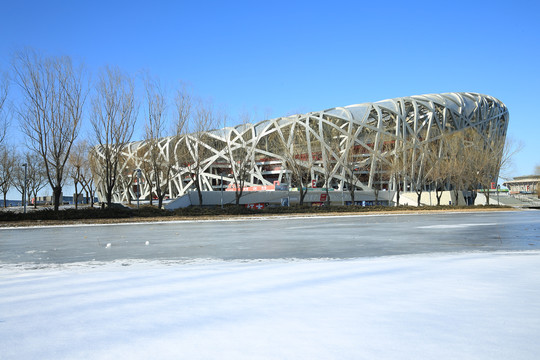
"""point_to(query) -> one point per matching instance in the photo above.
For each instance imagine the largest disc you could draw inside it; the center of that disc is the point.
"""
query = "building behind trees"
(451, 141)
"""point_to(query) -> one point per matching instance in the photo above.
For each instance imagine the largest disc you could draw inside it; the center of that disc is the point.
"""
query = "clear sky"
(276, 58)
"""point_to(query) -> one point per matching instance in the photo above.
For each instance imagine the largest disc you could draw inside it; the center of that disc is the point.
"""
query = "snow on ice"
(452, 306)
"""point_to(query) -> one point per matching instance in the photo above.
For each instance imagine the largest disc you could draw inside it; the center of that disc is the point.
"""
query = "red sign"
(313, 183)
(493, 187)
(256, 206)
(323, 197)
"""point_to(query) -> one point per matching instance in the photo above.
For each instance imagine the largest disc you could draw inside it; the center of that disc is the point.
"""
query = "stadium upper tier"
(353, 145)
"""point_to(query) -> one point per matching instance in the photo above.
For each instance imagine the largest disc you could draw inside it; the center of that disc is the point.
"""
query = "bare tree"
(4, 111)
(398, 167)
(126, 177)
(51, 110)
(436, 175)
(351, 168)
(146, 168)
(80, 171)
(87, 178)
(507, 151)
(327, 152)
(420, 166)
(358, 162)
(114, 114)
(479, 170)
(183, 102)
(36, 177)
(296, 156)
(498, 159)
(487, 157)
(7, 168)
(240, 150)
(198, 143)
(155, 131)
(454, 153)
(77, 160)
(18, 176)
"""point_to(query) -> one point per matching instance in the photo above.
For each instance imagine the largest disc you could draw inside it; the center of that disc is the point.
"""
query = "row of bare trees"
(461, 161)
(12, 173)
(466, 160)
(50, 112)
(53, 94)
(186, 126)
(56, 97)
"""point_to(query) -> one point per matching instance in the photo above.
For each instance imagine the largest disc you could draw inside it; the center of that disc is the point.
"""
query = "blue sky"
(281, 57)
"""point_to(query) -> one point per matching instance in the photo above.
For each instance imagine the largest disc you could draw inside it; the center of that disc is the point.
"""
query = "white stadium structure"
(350, 146)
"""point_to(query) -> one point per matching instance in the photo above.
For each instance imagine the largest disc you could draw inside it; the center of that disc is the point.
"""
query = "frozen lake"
(317, 237)
(464, 289)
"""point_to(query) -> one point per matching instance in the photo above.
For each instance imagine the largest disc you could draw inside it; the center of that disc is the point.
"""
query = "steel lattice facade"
(360, 130)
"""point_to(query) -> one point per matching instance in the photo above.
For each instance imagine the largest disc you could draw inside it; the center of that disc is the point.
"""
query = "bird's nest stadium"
(340, 147)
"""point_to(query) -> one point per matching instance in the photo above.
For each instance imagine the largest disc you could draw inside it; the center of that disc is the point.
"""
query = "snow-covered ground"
(433, 306)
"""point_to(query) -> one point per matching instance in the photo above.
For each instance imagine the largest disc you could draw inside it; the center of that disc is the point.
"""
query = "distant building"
(65, 200)
(523, 184)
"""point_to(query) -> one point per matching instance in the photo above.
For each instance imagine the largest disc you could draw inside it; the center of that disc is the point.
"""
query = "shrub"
(118, 212)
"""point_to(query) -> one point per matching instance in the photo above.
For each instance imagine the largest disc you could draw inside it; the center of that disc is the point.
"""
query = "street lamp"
(289, 190)
(24, 187)
(138, 186)
(221, 190)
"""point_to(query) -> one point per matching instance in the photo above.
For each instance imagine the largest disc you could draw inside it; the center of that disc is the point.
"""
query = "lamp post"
(24, 187)
(221, 186)
(289, 190)
(138, 186)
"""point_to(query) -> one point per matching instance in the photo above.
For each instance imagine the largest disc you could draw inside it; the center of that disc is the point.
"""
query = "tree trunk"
(456, 197)
(76, 199)
(418, 197)
(5, 200)
(302, 195)
(35, 200)
(199, 192)
(398, 189)
(238, 194)
(474, 194)
(57, 192)
(327, 197)
(438, 195)
(109, 198)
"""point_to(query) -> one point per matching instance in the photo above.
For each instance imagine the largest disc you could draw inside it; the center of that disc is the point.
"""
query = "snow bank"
(459, 306)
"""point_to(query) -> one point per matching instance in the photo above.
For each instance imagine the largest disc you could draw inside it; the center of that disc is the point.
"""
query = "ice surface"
(320, 237)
